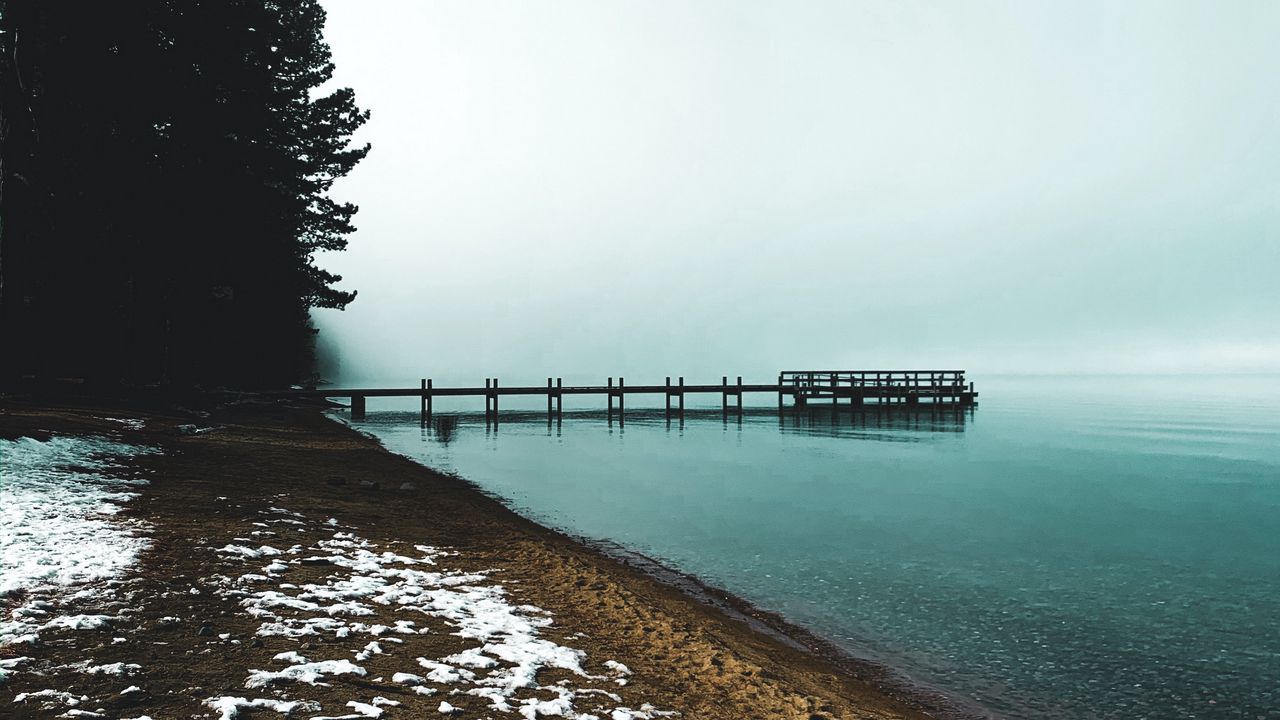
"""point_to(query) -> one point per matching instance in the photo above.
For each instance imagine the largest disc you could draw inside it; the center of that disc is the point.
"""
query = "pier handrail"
(872, 378)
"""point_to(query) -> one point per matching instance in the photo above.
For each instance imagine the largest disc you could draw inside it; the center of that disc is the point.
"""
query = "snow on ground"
(11, 665)
(131, 423)
(501, 667)
(61, 551)
(228, 708)
(63, 557)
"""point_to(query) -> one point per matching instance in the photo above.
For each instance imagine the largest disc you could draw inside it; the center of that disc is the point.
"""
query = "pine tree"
(175, 159)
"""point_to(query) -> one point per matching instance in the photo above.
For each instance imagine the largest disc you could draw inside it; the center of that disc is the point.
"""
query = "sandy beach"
(293, 566)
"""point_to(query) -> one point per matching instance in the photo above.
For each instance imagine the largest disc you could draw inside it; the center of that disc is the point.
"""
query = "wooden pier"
(854, 388)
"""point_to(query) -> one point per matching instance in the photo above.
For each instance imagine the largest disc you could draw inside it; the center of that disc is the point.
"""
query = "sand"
(690, 650)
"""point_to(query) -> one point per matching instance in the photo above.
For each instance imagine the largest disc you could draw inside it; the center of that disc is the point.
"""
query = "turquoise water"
(1073, 548)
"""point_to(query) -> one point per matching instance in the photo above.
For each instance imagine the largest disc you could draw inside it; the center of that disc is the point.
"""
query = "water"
(1074, 548)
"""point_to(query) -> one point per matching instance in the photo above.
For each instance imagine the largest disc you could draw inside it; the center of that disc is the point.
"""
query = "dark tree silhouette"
(165, 189)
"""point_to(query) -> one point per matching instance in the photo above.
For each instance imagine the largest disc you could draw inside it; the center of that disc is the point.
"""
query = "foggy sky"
(590, 188)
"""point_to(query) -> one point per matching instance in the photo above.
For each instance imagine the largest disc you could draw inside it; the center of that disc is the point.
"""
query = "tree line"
(165, 168)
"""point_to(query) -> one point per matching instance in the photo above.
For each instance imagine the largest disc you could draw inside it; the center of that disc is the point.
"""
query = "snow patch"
(244, 551)
(310, 673)
(364, 709)
(229, 708)
(60, 545)
(10, 665)
(50, 699)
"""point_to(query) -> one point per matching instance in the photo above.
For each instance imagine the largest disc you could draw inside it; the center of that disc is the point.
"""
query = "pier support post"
(681, 398)
(495, 402)
(724, 397)
(667, 393)
(422, 415)
(357, 407)
(739, 398)
(549, 394)
(488, 403)
(559, 398)
(622, 400)
(609, 392)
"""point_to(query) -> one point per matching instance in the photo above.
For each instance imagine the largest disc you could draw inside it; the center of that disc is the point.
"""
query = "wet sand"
(691, 649)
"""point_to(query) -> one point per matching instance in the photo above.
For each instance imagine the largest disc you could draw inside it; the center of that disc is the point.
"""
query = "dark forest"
(165, 168)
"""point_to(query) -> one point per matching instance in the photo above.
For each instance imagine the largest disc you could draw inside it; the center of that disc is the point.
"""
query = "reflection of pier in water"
(882, 423)
(857, 389)
(896, 424)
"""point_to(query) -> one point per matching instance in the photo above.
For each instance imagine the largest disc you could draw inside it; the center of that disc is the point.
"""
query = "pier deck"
(853, 387)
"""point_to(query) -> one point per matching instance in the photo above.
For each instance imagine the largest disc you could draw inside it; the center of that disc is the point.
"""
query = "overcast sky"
(697, 187)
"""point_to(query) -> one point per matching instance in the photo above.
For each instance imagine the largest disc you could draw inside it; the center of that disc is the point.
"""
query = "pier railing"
(861, 386)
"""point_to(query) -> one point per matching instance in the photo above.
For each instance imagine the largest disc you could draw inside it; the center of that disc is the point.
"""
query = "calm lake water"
(1073, 548)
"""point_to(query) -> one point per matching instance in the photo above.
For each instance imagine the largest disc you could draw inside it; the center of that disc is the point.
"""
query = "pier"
(854, 388)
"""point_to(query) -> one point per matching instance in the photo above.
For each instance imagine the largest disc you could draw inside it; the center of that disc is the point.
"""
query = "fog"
(699, 188)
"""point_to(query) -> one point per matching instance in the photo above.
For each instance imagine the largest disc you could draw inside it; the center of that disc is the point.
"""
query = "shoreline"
(693, 648)
(897, 682)
(894, 681)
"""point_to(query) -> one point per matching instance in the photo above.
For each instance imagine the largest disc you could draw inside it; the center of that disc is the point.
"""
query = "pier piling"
(724, 397)
(666, 396)
(739, 398)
